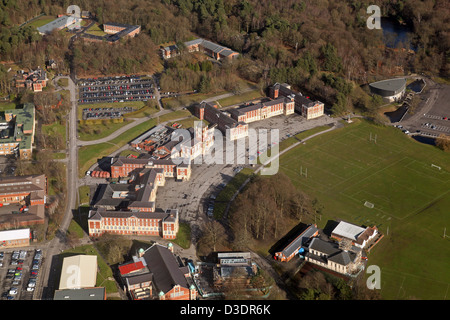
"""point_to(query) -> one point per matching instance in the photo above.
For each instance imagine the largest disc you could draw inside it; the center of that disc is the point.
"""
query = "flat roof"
(60, 22)
(348, 230)
(9, 235)
(78, 271)
(81, 294)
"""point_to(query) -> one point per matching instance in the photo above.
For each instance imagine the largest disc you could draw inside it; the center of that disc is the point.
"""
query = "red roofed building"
(131, 267)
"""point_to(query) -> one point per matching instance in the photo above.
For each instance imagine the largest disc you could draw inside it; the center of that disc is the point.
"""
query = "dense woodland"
(322, 47)
(267, 209)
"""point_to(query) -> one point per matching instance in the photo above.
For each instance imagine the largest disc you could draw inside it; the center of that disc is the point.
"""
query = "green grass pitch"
(345, 168)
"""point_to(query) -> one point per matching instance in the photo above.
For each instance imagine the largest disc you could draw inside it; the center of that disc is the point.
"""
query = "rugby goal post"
(435, 166)
(369, 204)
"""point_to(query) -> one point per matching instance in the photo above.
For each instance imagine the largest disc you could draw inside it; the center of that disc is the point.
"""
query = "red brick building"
(263, 110)
(156, 274)
(130, 209)
(303, 105)
(22, 200)
(123, 167)
(293, 247)
(121, 29)
(227, 125)
(34, 79)
(162, 223)
(211, 49)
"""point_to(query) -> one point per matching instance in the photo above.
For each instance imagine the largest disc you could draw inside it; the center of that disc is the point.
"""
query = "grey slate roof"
(165, 268)
(333, 252)
(300, 241)
(140, 278)
(80, 294)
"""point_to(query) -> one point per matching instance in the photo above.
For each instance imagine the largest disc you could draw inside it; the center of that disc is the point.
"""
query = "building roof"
(300, 240)
(78, 271)
(9, 235)
(81, 294)
(326, 247)
(389, 86)
(130, 267)
(23, 184)
(138, 278)
(158, 213)
(193, 42)
(165, 269)
(348, 230)
(58, 23)
(333, 252)
(24, 120)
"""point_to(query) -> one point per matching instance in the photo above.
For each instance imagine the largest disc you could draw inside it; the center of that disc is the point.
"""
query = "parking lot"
(115, 89)
(432, 117)
(19, 271)
(105, 113)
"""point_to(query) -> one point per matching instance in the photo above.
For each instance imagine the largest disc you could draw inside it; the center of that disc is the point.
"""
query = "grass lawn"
(56, 127)
(88, 155)
(88, 132)
(224, 196)
(74, 228)
(63, 82)
(240, 98)
(96, 30)
(41, 21)
(183, 238)
(7, 106)
(187, 100)
(411, 200)
(299, 136)
(83, 192)
(58, 155)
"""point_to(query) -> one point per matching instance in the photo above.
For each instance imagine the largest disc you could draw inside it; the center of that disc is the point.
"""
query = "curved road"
(56, 245)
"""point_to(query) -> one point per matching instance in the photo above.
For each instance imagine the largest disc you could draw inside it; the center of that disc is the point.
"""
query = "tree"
(332, 62)
(214, 234)
(443, 142)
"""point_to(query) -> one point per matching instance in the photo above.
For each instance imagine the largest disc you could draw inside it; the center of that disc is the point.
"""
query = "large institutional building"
(211, 49)
(303, 105)
(17, 131)
(130, 208)
(282, 101)
(390, 89)
(156, 274)
(23, 199)
(34, 80)
(187, 144)
(343, 253)
(227, 125)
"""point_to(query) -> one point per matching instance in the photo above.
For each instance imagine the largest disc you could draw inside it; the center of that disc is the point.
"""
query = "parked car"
(32, 283)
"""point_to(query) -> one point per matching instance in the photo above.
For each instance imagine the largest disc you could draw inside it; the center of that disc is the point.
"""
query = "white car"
(30, 288)
(13, 291)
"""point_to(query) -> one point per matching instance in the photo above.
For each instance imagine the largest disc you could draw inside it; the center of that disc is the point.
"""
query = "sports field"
(408, 184)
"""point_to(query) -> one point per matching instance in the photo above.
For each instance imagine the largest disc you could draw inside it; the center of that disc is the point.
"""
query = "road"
(118, 132)
(187, 197)
(55, 246)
